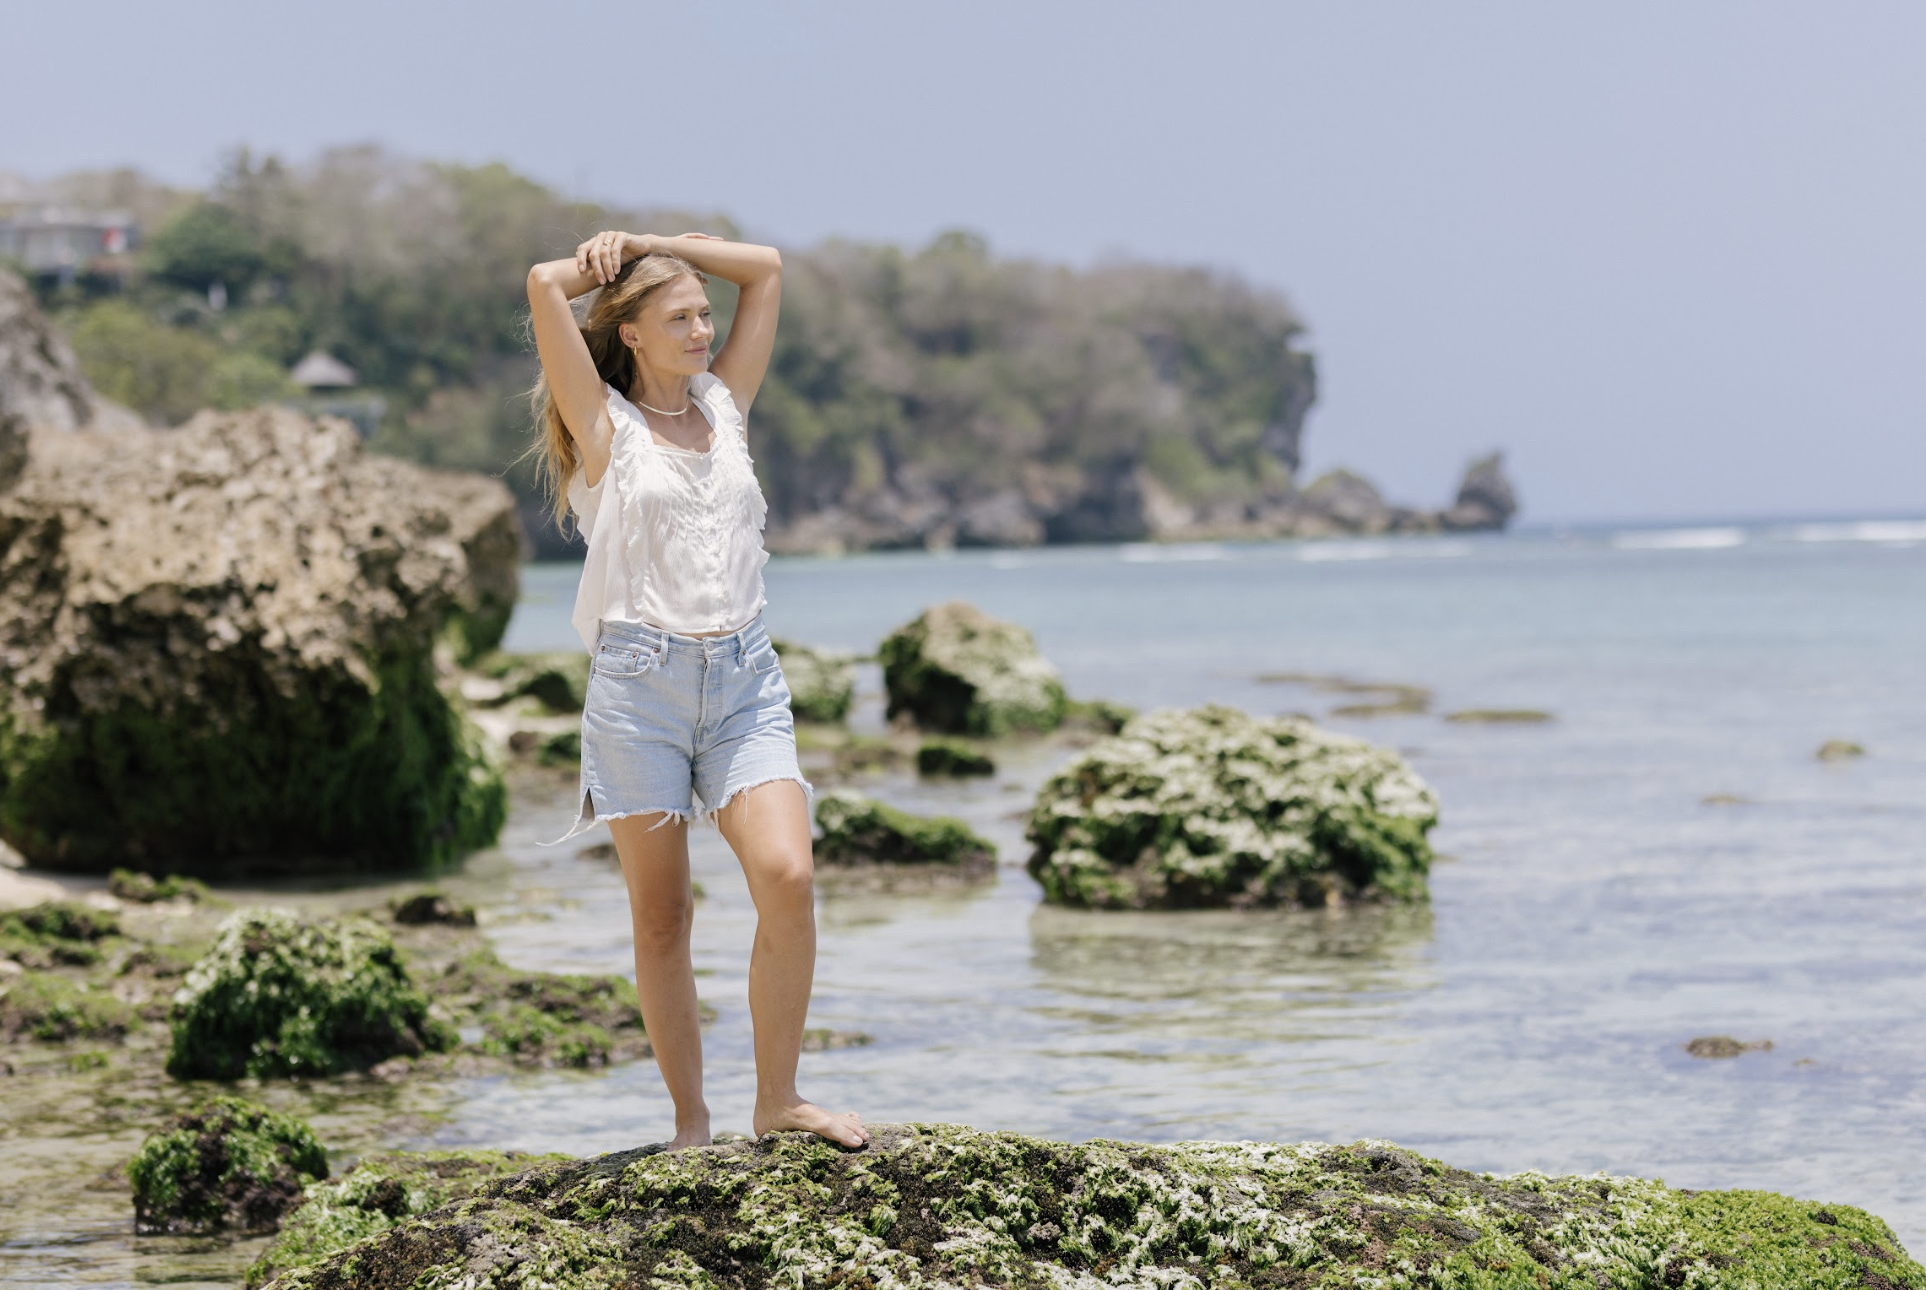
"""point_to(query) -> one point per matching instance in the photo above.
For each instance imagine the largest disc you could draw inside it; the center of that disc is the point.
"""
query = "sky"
(1671, 258)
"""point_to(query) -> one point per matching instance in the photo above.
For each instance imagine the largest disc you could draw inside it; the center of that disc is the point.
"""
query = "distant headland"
(918, 398)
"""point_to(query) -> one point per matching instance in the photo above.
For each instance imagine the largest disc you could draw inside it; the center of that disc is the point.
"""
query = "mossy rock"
(227, 1164)
(432, 907)
(1212, 807)
(1500, 717)
(546, 1019)
(941, 1205)
(557, 680)
(563, 748)
(822, 685)
(279, 995)
(380, 1192)
(51, 1009)
(56, 932)
(1103, 715)
(955, 670)
(220, 651)
(146, 889)
(1839, 750)
(859, 830)
(947, 757)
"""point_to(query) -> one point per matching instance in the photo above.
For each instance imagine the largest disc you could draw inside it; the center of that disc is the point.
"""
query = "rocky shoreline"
(947, 1205)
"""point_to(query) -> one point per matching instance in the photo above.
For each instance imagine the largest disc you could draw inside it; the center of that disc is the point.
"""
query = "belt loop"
(742, 647)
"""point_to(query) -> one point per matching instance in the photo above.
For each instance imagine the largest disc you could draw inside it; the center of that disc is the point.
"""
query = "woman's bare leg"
(768, 826)
(655, 865)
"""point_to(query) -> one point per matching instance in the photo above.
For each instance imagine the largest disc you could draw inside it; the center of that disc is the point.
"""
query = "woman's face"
(674, 330)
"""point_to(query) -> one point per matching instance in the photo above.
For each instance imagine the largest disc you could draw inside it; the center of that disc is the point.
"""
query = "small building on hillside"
(329, 383)
(321, 370)
(67, 243)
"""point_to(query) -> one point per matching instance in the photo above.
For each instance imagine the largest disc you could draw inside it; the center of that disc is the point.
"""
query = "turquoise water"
(1595, 913)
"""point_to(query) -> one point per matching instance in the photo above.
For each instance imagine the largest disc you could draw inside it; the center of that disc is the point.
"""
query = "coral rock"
(822, 685)
(956, 670)
(1210, 806)
(941, 1205)
(216, 647)
(279, 995)
(859, 830)
(229, 1164)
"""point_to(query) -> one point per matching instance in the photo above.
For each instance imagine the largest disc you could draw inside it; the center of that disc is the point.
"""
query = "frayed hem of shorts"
(590, 817)
(709, 813)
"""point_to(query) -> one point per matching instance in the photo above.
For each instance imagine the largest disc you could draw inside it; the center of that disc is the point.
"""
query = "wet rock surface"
(226, 1165)
(217, 649)
(1213, 807)
(858, 830)
(936, 1205)
(955, 670)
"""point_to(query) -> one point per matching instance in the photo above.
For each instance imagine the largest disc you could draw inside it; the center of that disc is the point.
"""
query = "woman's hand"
(602, 256)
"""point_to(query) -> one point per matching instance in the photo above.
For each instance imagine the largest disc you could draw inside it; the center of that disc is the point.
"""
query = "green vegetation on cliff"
(931, 396)
(940, 1205)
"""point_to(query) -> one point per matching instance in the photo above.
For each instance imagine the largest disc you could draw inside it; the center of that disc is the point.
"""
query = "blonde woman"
(642, 441)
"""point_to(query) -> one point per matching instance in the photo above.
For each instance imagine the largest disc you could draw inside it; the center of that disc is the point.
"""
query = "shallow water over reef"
(1596, 912)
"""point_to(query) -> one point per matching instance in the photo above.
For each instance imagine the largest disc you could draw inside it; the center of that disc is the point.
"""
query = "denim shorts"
(675, 721)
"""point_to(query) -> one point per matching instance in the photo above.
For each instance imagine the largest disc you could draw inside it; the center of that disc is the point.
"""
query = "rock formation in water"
(955, 670)
(1212, 807)
(41, 386)
(859, 830)
(228, 1164)
(282, 996)
(217, 649)
(941, 1205)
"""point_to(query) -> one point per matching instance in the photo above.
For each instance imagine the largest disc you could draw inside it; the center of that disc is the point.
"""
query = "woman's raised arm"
(755, 270)
(573, 382)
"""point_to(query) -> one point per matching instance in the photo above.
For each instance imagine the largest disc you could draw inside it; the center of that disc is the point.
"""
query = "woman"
(642, 439)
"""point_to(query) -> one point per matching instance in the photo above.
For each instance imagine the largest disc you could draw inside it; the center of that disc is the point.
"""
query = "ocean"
(1664, 859)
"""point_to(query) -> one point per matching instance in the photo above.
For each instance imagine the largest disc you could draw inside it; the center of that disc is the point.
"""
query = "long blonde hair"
(620, 301)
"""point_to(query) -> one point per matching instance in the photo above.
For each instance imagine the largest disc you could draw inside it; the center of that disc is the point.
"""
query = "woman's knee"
(785, 878)
(663, 924)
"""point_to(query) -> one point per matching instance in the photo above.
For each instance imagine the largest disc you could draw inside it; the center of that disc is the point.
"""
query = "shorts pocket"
(763, 658)
(624, 659)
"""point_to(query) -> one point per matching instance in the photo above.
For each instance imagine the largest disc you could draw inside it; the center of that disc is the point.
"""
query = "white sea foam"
(1863, 531)
(1171, 553)
(1708, 539)
(1351, 549)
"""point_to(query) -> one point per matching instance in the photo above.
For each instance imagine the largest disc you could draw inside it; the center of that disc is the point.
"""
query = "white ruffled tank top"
(674, 536)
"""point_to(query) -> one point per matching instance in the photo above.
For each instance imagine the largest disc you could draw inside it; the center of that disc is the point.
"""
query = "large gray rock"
(41, 386)
(217, 649)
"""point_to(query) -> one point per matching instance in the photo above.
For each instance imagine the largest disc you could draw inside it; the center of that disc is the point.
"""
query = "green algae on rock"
(955, 670)
(941, 1205)
(62, 932)
(1212, 807)
(217, 650)
(938, 757)
(859, 830)
(822, 684)
(542, 1018)
(50, 1009)
(381, 1191)
(146, 889)
(280, 995)
(227, 1164)
(557, 680)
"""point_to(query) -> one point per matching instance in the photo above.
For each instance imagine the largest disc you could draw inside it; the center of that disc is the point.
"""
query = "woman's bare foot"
(693, 1134)
(846, 1128)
